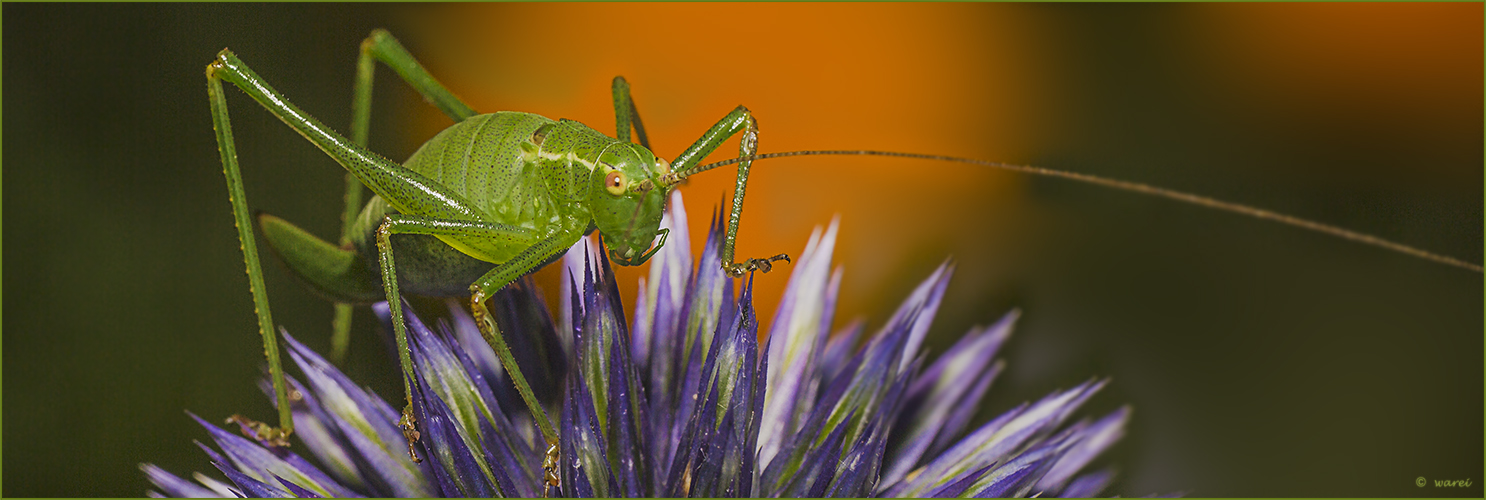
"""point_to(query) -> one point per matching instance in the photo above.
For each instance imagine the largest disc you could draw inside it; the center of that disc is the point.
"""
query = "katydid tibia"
(497, 196)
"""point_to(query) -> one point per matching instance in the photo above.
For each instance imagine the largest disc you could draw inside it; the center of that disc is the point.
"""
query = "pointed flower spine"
(940, 390)
(365, 425)
(446, 385)
(800, 327)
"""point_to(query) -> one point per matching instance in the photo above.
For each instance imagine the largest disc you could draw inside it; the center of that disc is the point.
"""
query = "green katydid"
(504, 194)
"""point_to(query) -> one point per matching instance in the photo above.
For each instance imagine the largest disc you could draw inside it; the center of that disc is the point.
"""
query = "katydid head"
(627, 202)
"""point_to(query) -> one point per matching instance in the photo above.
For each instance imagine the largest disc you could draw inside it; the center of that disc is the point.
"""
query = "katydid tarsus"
(497, 196)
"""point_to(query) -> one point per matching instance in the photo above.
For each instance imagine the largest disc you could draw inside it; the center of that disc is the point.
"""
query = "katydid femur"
(497, 196)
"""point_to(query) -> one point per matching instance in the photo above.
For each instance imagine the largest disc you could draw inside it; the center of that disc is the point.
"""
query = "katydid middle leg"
(409, 224)
(504, 274)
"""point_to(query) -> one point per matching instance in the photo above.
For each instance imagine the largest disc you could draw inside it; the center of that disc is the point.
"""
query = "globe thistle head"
(679, 399)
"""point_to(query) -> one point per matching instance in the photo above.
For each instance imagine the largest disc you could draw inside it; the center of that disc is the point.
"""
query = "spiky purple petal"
(1088, 485)
(941, 390)
(839, 349)
(957, 487)
(800, 326)
(456, 469)
(365, 423)
(997, 440)
(173, 485)
(585, 470)
(816, 466)
(250, 488)
(658, 306)
(1089, 442)
(248, 457)
(295, 490)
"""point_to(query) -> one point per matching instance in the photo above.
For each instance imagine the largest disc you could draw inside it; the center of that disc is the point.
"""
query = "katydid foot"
(737, 270)
(409, 425)
(263, 433)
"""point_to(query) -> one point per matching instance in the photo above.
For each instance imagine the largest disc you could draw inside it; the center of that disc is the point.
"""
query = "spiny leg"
(739, 120)
(409, 224)
(486, 286)
(383, 47)
(226, 147)
(405, 190)
(380, 46)
(747, 146)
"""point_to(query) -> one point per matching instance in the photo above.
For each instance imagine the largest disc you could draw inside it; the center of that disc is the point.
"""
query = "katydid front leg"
(739, 120)
(747, 146)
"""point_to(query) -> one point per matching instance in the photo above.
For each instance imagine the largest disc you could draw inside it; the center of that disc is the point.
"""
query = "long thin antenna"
(1136, 187)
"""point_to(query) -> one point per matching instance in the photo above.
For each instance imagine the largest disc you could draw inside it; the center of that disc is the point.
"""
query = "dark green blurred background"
(1260, 360)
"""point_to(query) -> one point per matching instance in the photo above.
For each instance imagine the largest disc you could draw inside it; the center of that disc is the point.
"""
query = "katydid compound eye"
(614, 182)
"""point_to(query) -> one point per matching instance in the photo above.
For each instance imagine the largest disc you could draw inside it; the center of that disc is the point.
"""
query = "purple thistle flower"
(679, 400)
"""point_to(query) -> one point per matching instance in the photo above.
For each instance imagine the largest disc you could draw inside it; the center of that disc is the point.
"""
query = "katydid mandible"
(497, 196)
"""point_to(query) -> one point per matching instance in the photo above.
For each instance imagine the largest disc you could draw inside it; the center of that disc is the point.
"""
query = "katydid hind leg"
(385, 177)
(227, 149)
(336, 272)
(379, 46)
(382, 46)
(340, 337)
(402, 188)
